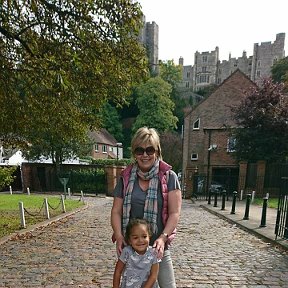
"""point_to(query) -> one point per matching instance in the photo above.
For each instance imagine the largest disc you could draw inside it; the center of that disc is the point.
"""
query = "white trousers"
(166, 277)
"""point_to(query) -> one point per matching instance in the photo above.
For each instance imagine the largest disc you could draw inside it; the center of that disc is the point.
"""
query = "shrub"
(6, 176)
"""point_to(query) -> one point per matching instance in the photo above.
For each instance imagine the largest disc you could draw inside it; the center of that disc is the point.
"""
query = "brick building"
(208, 138)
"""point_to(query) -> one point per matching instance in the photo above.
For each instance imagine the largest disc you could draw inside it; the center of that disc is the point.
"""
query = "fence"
(281, 227)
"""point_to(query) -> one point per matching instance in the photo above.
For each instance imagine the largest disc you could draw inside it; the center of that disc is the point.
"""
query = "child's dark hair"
(133, 222)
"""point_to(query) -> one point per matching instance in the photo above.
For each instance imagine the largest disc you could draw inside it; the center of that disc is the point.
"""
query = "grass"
(34, 204)
(272, 202)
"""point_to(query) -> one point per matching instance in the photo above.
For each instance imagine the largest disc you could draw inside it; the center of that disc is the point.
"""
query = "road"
(77, 252)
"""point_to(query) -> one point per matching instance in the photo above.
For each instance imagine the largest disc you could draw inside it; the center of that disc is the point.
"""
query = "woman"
(148, 189)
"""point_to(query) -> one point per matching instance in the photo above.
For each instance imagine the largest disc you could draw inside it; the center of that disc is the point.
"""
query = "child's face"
(139, 238)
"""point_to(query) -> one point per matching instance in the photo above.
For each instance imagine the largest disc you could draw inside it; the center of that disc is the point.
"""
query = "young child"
(138, 261)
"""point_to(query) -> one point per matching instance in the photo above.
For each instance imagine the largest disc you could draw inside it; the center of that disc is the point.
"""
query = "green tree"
(207, 90)
(171, 144)
(280, 71)
(172, 74)
(110, 120)
(263, 118)
(155, 106)
(60, 61)
(6, 176)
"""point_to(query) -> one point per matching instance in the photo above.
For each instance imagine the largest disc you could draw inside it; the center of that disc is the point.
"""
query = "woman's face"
(145, 156)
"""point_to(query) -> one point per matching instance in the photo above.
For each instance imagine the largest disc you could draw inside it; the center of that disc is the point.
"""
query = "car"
(214, 187)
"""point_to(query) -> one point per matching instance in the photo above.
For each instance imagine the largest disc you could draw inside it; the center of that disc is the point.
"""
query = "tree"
(155, 106)
(280, 72)
(207, 90)
(171, 144)
(60, 61)
(263, 118)
(6, 176)
(110, 120)
(172, 74)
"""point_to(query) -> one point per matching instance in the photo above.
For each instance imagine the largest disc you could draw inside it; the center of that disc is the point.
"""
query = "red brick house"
(105, 146)
(207, 137)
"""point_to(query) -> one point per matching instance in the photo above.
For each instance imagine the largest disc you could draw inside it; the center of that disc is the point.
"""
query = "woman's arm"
(117, 273)
(116, 222)
(174, 208)
(152, 277)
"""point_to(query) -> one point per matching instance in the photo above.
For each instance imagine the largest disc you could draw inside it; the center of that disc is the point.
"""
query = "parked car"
(214, 187)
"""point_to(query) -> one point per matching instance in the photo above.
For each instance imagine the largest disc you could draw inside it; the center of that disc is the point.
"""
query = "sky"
(187, 26)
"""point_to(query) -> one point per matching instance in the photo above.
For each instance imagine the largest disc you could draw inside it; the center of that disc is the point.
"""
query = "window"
(203, 79)
(204, 58)
(231, 142)
(194, 156)
(204, 69)
(188, 74)
(104, 148)
(96, 148)
(258, 73)
(196, 124)
(259, 63)
(187, 85)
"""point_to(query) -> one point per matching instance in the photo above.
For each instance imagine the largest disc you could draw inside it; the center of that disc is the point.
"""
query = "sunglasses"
(149, 150)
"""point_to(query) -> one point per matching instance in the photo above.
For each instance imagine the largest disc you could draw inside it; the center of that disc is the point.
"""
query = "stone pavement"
(252, 225)
(76, 251)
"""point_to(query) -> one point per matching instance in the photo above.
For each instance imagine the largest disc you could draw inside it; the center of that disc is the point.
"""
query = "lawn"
(272, 202)
(34, 210)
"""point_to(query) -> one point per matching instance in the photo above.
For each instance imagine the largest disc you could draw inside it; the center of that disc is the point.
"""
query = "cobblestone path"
(77, 252)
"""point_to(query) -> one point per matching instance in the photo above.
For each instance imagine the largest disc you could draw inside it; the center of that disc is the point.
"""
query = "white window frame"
(104, 148)
(194, 124)
(194, 156)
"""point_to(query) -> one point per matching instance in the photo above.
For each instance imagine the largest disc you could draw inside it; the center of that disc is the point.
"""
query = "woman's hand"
(159, 246)
(120, 243)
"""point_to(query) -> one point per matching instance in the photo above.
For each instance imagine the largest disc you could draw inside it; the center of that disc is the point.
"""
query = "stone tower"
(265, 55)
(205, 68)
(149, 37)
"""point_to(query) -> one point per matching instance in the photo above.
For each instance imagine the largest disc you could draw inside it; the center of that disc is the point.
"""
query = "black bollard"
(223, 199)
(209, 196)
(248, 200)
(264, 212)
(215, 199)
(233, 202)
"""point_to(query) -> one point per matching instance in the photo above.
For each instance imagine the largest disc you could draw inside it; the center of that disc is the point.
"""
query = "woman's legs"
(166, 277)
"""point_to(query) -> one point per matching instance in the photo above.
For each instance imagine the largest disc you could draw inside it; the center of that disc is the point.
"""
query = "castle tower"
(152, 46)
(264, 56)
(205, 68)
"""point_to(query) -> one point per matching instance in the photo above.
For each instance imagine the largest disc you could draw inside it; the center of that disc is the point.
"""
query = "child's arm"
(117, 273)
(153, 276)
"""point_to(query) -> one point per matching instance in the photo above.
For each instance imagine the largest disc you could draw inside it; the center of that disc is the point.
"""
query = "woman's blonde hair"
(146, 136)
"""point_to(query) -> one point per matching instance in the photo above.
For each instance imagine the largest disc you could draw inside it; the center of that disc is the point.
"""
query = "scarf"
(150, 207)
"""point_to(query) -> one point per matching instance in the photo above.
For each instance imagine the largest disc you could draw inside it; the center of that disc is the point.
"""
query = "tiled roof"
(102, 136)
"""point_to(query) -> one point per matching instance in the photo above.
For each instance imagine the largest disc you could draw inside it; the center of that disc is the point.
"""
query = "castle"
(208, 69)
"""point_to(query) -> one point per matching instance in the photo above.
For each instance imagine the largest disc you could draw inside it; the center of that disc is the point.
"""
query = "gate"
(281, 227)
